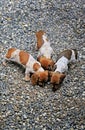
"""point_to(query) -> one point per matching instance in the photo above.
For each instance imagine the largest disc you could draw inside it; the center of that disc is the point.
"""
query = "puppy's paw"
(4, 63)
(26, 78)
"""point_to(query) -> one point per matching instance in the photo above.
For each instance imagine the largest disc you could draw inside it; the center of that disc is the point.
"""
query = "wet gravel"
(27, 107)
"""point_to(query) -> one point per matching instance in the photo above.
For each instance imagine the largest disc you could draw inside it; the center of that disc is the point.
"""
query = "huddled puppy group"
(43, 69)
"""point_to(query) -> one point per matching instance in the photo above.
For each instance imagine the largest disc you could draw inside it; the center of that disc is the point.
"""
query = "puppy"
(25, 59)
(40, 78)
(45, 50)
(46, 63)
(63, 60)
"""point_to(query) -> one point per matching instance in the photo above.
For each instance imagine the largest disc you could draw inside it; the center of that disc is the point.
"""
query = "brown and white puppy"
(63, 60)
(45, 50)
(25, 59)
(46, 63)
(40, 78)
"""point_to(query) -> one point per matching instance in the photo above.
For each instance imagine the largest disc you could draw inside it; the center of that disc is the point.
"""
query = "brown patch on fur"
(34, 79)
(56, 80)
(39, 78)
(24, 57)
(10, 51)
(36, 66)
(66, 53)
(39, 35)
(46, 63)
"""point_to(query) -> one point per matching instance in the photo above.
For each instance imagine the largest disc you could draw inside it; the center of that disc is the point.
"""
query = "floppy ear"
(62, 77)
(44, 76)
(34, 79)
(36, 66)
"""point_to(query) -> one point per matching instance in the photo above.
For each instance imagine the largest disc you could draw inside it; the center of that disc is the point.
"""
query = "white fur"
(40, 69)
(45, 50)
(62, 63)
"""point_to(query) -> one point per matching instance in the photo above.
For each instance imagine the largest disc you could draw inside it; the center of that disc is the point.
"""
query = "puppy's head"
(40, 42)
(10, 52)
(56, 79)
(39, 78)
(46, 63)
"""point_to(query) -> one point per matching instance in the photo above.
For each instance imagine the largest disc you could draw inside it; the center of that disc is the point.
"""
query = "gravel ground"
(23, 106)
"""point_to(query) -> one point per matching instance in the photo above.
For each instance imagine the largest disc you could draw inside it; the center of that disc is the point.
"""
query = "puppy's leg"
(36, 48)
(27, 75)
(4, 62)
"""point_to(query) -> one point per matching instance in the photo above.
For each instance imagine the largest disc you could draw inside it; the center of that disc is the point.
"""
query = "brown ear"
(44, 76)
(34, 79)
(36, 66)
(62, 77)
